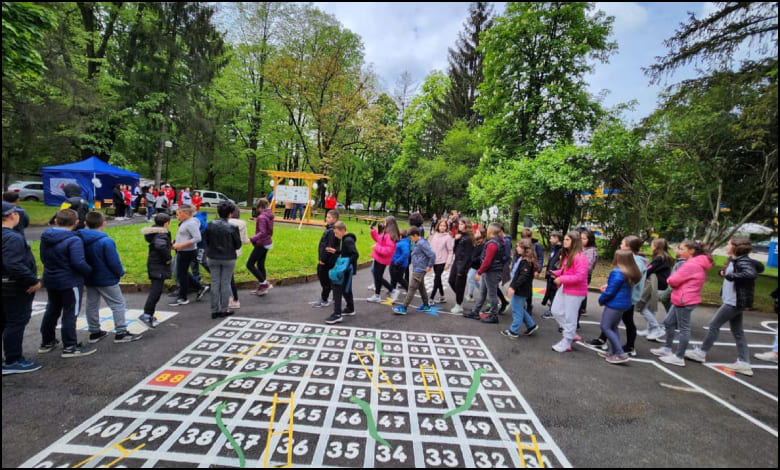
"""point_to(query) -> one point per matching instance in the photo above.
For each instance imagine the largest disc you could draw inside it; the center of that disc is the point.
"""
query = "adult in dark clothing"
(327, 256)
(20, 282)
(75, 202)
(222, 241)
(12, 197)
(463, 249)
(158, 263)
(346, 249)
(119, 201)
(552, 265)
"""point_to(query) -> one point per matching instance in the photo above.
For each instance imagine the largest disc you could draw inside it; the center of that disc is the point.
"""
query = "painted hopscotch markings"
(134, 325)
(251, 393)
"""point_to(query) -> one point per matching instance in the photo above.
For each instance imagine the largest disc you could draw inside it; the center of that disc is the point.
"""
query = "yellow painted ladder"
(289, 431)
(360, 357)
(534, 446)
(425, 381)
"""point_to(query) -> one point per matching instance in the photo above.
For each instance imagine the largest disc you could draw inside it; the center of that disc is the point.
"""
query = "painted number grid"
(255, 393)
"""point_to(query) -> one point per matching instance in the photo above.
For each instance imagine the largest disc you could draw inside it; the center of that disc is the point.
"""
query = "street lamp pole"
(168, 144)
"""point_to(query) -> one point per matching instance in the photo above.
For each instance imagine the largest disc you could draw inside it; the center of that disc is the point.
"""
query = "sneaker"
(656, 334)
(333, 319)
(531, 330)
(502, 310)
(318, 303)
(442, 300)
(371, 287)
(77, 351)
(148, 320)
(215, 315)
(490, 319)
(642, 332)
(630, 351)
(20, 366)
(661, 352)
(696, 355)
(48, 347)
(740, 368)
(673, 360)
(547, 314)
(508, 333)
(174, 294)
(95, 337)
(456, 309)
(617, 358)
(234, 304)
(178, 302)
(227, 314)
(400, 310)
(470, 314)
(394, 295)
(424, 308)
(470, 298)
(202, 292)
(374, 299)
(598, 343)
(349, 312)
(577, 339)
(127, 337)
(769, 356)
(562, 346)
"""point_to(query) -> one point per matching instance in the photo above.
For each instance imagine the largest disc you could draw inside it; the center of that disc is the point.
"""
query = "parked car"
(212, 198)
(762, 247)
(356, 206)
(339, 205)
(28, 190)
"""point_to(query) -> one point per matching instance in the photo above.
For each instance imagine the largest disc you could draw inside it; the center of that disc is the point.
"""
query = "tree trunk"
(515, 219)
(160, 150)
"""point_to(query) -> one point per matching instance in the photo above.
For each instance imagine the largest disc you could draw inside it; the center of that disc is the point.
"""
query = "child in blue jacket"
(616, 298)
(103, 281)
(423, 259)
(400, 265)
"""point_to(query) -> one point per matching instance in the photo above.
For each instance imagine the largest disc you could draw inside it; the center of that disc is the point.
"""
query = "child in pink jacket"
(572, 282)
(382, 254)
(686, 284)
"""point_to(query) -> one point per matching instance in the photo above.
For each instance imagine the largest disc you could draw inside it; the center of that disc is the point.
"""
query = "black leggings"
(458, 284)
(549, 293)
(397, 277)
(379, 280)
(256, 263)
(437, 285)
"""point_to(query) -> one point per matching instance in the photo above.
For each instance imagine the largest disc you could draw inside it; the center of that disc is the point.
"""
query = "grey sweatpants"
(221, 273)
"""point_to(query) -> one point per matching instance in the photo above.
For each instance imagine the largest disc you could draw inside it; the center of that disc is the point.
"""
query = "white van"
(212, 198)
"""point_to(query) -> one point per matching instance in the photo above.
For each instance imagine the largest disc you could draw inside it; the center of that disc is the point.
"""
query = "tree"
(534, 91)
(464, 72)
(715, 39)
(24, 25)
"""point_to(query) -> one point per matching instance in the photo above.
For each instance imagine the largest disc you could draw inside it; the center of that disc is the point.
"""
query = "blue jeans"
(471, 283)
(610, 320)
(221, 274)
(680, 318)
(519, 314)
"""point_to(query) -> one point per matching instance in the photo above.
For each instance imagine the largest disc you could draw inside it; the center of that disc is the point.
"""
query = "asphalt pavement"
(599, 415)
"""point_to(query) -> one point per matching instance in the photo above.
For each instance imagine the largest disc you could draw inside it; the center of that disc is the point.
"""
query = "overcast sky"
(415, 37)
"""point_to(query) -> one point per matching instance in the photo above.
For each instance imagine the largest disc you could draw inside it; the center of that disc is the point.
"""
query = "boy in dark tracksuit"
(20, 281)
(158, 264)
(64, 269)
(346, 249)
(326, 258)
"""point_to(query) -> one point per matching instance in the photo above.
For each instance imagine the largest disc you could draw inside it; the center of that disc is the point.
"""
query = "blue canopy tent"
(83, 173)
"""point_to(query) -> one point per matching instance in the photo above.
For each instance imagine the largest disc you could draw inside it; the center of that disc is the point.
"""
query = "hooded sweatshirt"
(688, 281)
(64, 262)
(102, 256)
(158, 264)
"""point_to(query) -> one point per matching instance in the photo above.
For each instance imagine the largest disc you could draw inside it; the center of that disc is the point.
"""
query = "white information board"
(298, 194)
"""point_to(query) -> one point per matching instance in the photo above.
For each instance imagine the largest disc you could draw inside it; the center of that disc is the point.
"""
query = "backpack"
(339, 271)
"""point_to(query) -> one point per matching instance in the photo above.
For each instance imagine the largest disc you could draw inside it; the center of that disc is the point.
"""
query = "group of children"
(87, 259)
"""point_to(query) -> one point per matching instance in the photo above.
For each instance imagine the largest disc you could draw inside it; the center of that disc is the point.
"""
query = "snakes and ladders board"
(258, 393)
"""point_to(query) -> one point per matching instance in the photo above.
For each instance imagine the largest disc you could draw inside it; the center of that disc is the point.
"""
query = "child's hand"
(510, 291)
(428, 269)
(330, 250)
(603, 288)
(557, 281)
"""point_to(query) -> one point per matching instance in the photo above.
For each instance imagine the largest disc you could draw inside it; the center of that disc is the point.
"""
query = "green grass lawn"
(294, 253)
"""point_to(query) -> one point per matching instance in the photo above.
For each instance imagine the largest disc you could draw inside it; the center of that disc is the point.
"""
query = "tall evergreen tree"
(465, 73)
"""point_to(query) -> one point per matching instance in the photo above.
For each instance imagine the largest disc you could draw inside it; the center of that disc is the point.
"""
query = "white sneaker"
(562, 346)
(673, 360)
(642, 332)
(740, 368)
(374, 298)
(656, 334)
(661, 352)
(470, 298)
(696, 355)
(442, 300)
(394, 295)
(370, 287)
(769, 356)
(457, 309)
